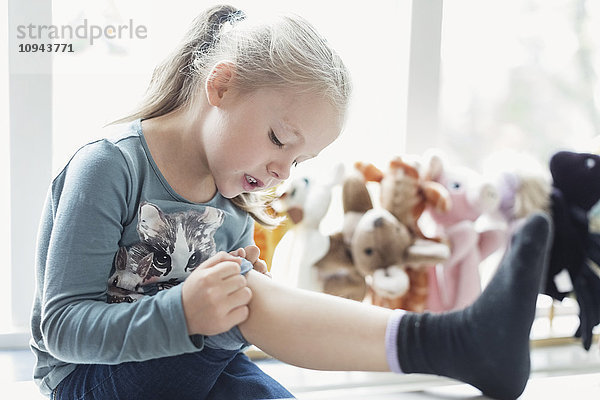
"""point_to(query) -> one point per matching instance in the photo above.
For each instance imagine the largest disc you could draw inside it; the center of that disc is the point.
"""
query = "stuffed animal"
(267, 239)
(336, 270)
(375, 243)
(306, 201)
(594, 216)
(405, 194)
(576, 189)
(456, 283)
(523, 185)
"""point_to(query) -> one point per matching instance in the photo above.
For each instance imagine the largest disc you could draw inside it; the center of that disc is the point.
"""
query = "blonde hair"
(285, 53)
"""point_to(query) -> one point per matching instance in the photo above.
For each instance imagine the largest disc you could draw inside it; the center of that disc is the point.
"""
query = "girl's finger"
(216, 259)
(260, 266)
(240, 297)
(238, 315)
(238, 253)
(234, 283)
(252, 253)
(228, 268)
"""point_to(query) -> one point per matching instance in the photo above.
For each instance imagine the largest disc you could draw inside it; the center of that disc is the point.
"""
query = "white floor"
(559, 372)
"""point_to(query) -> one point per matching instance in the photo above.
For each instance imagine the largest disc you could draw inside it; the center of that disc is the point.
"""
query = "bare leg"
(485, 344)
(315, 330)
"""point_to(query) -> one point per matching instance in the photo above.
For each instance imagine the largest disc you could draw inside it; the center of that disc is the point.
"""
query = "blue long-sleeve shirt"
(113, 236)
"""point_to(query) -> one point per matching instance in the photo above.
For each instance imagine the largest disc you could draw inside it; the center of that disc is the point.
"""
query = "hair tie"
(222, 25)
(236, 16)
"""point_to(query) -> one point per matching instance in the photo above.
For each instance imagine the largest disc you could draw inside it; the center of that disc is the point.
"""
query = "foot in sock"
(486, 344)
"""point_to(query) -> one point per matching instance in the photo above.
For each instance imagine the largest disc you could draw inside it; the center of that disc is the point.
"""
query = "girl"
(148, 282)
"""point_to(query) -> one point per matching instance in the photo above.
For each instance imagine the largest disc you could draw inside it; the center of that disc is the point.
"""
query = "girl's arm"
(81, 228)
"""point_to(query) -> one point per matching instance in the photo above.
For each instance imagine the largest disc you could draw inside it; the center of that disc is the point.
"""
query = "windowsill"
(555, 324)
(14, 338)
(544, 332)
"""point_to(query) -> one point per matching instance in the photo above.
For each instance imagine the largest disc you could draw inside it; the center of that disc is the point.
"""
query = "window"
(103, 80)
(4, 163)
(110, 77)
(520, 75)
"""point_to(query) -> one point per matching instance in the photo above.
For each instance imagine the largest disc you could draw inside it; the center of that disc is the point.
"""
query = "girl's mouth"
(251, 183)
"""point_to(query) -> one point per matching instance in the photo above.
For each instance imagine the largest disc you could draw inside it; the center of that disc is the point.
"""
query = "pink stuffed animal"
(456, 283)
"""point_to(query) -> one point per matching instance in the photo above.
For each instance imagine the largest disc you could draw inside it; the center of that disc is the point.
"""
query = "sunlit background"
(518, 74)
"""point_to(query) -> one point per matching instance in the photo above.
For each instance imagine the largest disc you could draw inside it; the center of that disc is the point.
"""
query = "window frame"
(30, 136)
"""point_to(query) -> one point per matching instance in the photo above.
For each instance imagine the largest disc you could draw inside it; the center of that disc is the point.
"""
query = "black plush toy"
(576, 189)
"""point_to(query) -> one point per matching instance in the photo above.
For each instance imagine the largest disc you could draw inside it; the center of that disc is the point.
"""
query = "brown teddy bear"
(336, 270)
(377, 248)
(406, 194)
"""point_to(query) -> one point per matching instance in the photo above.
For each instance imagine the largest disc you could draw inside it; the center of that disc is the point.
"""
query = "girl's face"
(252, 141)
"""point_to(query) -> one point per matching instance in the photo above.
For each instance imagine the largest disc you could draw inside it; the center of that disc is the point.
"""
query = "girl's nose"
(279, 171)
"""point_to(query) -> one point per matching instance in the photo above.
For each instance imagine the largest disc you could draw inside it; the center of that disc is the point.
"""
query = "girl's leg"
(315, 330)
(187, 376)
(485, 345)
(242, 379)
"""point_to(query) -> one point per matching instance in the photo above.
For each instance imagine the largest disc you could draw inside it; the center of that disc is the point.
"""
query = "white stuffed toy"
(306, 201)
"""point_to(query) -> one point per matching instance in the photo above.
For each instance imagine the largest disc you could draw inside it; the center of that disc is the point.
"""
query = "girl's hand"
(251, 254)
(215, 296)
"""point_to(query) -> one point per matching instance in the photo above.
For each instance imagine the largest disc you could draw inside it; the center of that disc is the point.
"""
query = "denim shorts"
(209, 374)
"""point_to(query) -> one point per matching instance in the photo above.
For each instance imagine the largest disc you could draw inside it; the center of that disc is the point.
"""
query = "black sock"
(486, 344)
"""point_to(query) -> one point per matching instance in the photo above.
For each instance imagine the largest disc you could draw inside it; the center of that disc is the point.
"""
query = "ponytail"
(174, 80)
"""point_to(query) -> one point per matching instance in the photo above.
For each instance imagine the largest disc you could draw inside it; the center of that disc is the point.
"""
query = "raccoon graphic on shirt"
(171, 246)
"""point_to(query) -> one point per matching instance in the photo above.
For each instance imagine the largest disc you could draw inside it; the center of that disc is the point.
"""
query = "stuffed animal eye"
(368, 251)
(590, 163)
(455, 185)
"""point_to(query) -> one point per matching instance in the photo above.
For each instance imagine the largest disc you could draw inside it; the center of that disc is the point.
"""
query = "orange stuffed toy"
(266, 239)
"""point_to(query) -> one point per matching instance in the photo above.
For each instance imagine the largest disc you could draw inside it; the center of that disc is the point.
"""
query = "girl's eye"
(274, 139)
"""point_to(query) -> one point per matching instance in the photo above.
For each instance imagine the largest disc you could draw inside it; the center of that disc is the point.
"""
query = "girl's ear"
(219, 80)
